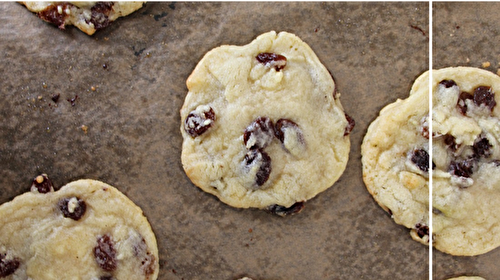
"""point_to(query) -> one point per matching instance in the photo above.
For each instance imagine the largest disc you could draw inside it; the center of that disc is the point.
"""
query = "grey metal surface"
(128, 82)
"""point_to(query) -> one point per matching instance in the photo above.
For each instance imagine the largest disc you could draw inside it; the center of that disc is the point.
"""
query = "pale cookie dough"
(86, 16)
(263, 125)
(395, 159)
(466, 153)
(86, 230)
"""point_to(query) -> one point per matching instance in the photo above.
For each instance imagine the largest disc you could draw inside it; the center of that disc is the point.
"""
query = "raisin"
(461, 104)
(286, 211)
(484, 96)
(99, 14)
(199, 120)
(52, 15)
(463, 168)
(449, 141)
(73, 208)
(448, 83)
(263, 161)
(259, 134)
(421, 158)
(105, 253)
(106, 278)
(482, 148)
(42, 184)
(102, 7)
(277, 61)
(8, 267)
(422, 230)
(350, 125)
(284, 127)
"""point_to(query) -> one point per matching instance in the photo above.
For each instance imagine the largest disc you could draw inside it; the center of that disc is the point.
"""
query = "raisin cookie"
(395, 159)
(86, 16)
(85, 230)
(466, 160)
(263, 125)
(467, 278)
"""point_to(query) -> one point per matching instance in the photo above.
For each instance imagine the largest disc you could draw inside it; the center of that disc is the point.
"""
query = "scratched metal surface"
(127, 83)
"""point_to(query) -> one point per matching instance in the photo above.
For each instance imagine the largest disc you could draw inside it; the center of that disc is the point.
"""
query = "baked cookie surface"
(467, 278)
(466, 155)
(86, 16)
(85, 230)
(465, 160)
(263, 125)
(395, 159)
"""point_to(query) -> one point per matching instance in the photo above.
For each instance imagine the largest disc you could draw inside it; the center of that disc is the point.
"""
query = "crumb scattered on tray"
(84, 128)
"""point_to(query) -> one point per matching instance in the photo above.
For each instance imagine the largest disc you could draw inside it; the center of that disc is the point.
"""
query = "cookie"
(263, 126)
(86, 16)
(466, 156)
(85, 230)
(395, 160)
(467, 278)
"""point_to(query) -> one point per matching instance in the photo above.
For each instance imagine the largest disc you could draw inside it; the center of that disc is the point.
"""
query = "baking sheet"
(117, 120)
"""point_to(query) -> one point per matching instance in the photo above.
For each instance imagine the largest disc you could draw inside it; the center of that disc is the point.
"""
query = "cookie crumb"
(92, 88)
(39, 179)
(73, 100)
(486, 64)
(84, 128)
(55, 97)
(498, 72)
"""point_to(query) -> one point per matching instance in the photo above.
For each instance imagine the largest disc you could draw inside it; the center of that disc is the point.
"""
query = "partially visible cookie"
(395, 158)
(263, 125)
(86, 16)
(85, 230)
(465, 160)
(466, 155)
(467, 278)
